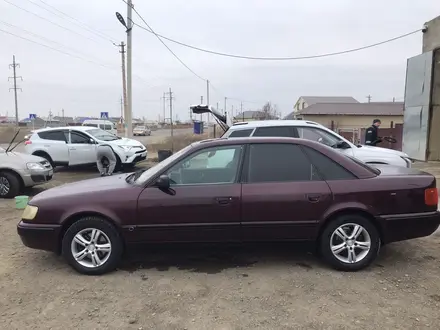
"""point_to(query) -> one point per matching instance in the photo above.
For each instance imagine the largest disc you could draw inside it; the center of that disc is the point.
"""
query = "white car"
(76, 145)
(312, 131)
(142, 130)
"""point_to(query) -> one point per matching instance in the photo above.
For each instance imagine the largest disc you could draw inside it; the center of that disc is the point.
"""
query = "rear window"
(91, 125)
(105, 127)
(241, 133)
(53, 136)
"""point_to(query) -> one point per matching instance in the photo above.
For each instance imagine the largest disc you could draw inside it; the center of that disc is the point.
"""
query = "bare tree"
(269, 111)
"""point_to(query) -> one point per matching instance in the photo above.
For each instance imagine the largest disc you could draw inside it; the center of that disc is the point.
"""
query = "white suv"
(66, 146)
(311, 131)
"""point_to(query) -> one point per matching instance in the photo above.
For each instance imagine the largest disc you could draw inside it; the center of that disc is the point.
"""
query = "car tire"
(350, 242)
(10, 185)
(94, 260)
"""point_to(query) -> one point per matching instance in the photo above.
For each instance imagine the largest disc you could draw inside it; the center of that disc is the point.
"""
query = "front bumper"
(39, 236)
(35, 177)
(137, 157)
(400, 227)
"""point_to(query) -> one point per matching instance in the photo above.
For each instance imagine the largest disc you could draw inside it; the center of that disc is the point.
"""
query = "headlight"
(30, 212)
(126, 148)
(34, 166)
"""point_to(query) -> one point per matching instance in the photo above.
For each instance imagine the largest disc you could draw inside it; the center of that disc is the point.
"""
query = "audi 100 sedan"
(237, 190)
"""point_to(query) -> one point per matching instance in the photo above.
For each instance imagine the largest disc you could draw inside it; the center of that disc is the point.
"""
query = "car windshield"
(152, 171)
(102, 135)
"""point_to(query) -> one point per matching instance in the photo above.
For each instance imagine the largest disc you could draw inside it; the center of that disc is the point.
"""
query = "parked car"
(237, 190)
(312, 131)
(18, 171)
(141, 130)
(105, 125)
(76, 145)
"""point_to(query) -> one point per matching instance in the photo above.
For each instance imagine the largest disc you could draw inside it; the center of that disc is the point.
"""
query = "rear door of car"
(283, 195)
(55, 144)
(203, 203)
(81, 149)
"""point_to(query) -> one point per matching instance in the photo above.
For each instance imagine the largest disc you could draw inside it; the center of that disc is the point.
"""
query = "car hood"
(84, 188)
(20, 157)
(124, 142)
(375, 150)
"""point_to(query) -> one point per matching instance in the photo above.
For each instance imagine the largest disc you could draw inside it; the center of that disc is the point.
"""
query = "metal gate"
(418, 89)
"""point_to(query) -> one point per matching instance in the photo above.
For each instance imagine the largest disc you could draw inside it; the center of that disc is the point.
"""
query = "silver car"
(141, 130)
(18, 171)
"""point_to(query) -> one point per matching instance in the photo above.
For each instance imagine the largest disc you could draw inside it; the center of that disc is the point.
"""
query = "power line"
(77, 21)
(169, 49)
(352, 50)
(51, 22)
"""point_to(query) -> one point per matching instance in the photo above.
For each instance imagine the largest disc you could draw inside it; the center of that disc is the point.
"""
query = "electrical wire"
(293, 58)
(44, 38)
(47, 20)
(76, 21)
(169, 49)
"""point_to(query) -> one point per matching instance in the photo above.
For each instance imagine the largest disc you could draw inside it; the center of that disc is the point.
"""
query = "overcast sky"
(55, 81)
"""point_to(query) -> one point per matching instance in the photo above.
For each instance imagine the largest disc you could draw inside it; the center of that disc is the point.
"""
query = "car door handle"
(223, 200)
(313, 198)
(72, 148)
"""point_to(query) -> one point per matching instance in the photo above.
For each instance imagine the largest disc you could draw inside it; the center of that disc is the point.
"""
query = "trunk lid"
(222, 120)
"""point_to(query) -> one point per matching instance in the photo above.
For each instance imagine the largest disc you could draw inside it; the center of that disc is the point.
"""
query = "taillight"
(431, 196)
(27, 142)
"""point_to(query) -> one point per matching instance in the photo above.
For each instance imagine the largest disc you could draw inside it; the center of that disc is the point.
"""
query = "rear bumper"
(40, 237)
(399, 227)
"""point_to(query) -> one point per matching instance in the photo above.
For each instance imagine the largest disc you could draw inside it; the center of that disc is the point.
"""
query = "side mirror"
(163, 182)
(342, 145)
(91, 141)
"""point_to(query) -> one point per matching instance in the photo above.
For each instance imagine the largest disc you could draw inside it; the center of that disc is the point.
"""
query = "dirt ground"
(233, 287)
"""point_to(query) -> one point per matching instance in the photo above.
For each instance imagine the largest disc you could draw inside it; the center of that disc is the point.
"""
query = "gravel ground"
(213, 287)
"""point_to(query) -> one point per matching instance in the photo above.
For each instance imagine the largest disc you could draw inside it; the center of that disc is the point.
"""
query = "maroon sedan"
(237, 190)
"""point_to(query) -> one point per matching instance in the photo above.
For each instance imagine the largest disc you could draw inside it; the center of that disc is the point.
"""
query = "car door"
(81, 149)
(283, 196)
(203, 204)
(319, 135)
(55, 144)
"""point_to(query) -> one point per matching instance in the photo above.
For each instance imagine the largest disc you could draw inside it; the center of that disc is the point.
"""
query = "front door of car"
(81, 149)
(202, 204)
(283, 196)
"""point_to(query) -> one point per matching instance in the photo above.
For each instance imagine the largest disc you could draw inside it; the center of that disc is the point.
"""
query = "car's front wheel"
(350, 242)
(10, 185)
(92, 246)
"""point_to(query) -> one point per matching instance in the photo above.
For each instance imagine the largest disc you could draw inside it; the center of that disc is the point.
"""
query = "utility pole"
(207, 100)
(122, 107)
(226, 110)
(201, 102)
(124, 82)
(369, 98)
(170, 97)
(15, 88)
(241, 109)
(129, 113)
(64, 120)
(164, 105)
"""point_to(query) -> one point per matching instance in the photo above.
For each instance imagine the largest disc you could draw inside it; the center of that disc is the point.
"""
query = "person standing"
(106, 159)
(372, 134)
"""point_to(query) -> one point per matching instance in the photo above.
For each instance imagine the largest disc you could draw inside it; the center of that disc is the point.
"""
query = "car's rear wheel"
(10, 185)
(350, 242)
(92, 246)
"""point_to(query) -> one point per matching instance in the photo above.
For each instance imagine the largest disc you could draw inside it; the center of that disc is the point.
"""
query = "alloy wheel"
(91, 248)
(350, 243)
(4, 186)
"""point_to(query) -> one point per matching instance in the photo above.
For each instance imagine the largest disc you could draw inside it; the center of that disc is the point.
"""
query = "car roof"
(77, 128)
(253, 140)
(272, 123)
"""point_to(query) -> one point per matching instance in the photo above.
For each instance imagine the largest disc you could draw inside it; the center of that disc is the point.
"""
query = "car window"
(279, 163)
(318, 135)
(211, 166)
(78, 138)
(281, 131)
(91, 125)
(52, 135)
(241, 133)
(329, 169)
(105, 127)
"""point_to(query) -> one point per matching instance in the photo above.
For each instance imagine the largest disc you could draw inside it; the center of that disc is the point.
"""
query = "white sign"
(104, 115)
